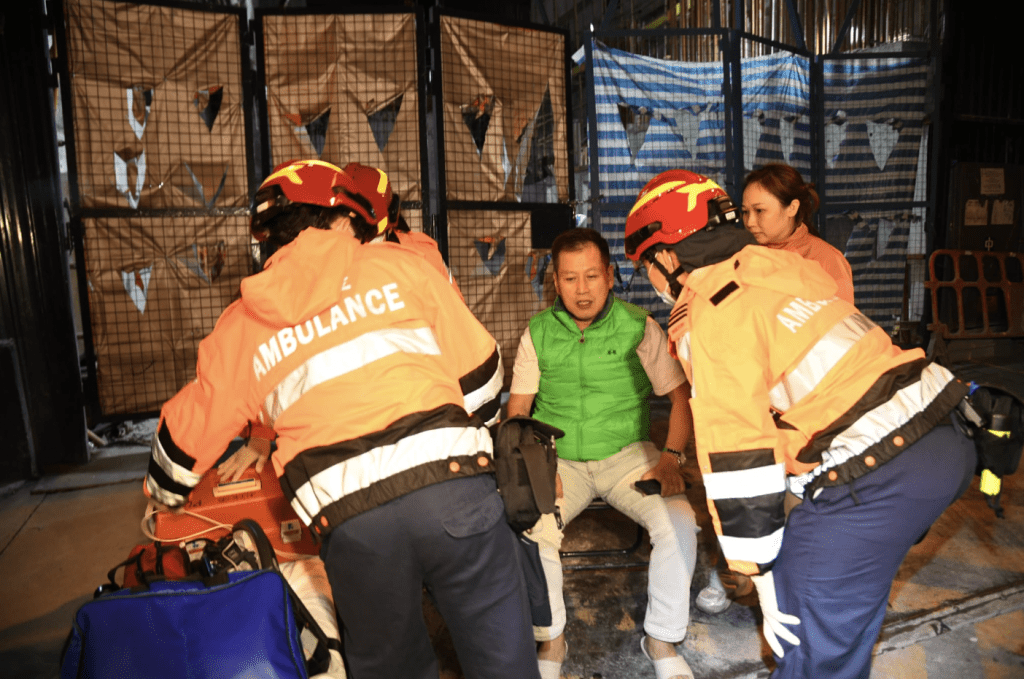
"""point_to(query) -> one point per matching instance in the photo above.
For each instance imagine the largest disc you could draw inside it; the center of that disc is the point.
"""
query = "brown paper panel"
(505, 71)
(136, 361)
(347, 67)
(178, 57)
(498, 292)
(146, 346)
(123, 244)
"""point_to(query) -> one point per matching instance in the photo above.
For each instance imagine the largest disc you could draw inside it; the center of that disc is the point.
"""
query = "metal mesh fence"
(151, 300)
(161, 172)
(343, 88)
(876, 154)
(505, 123)
(504, 109)
(157, 98)
(866, 150)
(160, 167)
(776, 110)
(652, 115)
(160, 158)
(503, 279)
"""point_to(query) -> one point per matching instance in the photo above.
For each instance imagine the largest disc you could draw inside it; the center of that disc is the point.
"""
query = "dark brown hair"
(787, 184)
(575, 240)
(296, 218)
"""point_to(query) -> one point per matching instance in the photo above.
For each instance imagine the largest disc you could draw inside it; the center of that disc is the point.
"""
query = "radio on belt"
(257, 496)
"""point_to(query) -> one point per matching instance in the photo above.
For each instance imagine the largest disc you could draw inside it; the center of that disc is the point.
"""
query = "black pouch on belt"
(995, 421)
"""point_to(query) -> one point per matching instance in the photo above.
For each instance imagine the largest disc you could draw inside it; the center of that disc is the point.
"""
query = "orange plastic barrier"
(976, 295)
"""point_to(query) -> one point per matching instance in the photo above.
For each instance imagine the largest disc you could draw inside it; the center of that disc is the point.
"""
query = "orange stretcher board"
(257, 496)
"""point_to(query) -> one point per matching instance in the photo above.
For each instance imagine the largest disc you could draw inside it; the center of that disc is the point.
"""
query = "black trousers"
(452, 538)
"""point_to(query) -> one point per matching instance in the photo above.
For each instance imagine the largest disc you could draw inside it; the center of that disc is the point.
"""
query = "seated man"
(588, 364)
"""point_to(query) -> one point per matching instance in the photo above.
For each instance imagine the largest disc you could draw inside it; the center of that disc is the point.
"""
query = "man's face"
(583, 283)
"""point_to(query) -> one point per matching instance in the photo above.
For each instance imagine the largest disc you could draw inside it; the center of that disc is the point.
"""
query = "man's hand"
(257, 451)
(558, 485)
(667, 473)
(775, 621)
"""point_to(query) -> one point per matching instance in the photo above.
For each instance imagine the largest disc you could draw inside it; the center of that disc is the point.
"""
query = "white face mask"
(666, 295)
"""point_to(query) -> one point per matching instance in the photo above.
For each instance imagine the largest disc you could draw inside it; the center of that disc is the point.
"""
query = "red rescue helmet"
(672, 206)
(312, 182)
(373, 185)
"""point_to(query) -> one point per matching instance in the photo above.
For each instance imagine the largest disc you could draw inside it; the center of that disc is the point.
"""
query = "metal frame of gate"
(434, 204)
(604, 208)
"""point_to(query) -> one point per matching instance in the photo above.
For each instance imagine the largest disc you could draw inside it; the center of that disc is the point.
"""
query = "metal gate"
(173, 114)
(723, 100)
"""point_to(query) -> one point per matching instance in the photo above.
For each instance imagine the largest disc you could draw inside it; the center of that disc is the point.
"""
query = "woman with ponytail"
(777, 209)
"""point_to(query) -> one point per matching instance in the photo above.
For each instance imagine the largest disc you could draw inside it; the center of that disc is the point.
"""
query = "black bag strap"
(143, 576)
(320, 660)
(539, 427)
(134, 559)
(535, 457)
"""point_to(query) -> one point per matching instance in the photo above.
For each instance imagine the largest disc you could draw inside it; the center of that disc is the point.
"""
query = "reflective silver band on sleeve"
(821, 358)
(758, 550)
(164, 497)
(474, 400)
(745, 482)
(176, 472)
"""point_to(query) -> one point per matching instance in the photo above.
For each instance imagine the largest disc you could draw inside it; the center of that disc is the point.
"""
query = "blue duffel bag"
(240, 624)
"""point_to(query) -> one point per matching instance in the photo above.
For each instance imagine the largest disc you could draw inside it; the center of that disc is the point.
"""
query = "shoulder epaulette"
(727, 289)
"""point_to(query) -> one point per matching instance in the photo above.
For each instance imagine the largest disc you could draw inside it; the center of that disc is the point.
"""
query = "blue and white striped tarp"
(876, 145)
(654, 115)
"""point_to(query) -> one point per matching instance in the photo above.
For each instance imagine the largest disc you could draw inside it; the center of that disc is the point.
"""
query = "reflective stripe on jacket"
(362, 359)
(787, 379)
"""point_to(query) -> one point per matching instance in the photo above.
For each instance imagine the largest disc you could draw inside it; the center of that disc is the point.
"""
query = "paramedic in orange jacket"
(379, 383)
(792, 385)
(370, 196)
(373, 184)
(777, 208)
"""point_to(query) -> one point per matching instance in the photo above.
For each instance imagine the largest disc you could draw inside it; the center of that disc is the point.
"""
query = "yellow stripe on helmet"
(382, 185)
(654, 193)
(292, 171)
(692, 191)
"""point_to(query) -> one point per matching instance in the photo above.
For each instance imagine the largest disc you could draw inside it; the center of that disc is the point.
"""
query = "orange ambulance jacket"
(791, 385)
(362, 359)
(427, 248)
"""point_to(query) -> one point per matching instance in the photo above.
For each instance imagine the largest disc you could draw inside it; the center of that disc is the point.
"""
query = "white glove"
(775, 621)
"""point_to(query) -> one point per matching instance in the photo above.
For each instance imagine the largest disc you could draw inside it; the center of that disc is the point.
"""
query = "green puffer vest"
(592, 384)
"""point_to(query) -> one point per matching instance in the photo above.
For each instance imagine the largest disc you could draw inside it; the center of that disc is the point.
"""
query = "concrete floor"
(956, 609)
